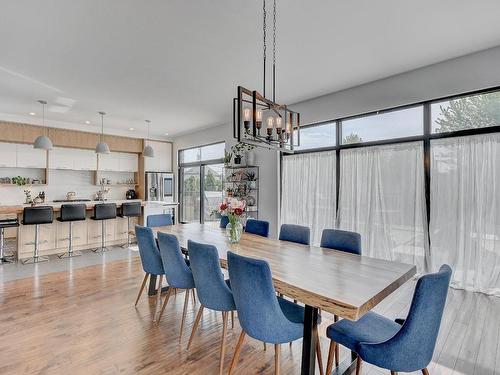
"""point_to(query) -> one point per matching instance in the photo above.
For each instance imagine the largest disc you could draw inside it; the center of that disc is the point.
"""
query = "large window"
(393, 124)
(420, 183)
(317, 136)
(201, 171)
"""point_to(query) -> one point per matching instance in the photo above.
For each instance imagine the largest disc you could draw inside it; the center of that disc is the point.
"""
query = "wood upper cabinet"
(162, 161)
(8, 153)
(29, 157)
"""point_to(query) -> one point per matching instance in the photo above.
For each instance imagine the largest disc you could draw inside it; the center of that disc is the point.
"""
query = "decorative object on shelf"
(241, 182)
(239, 149)
(250, 108)
(43, 142)
(102, 147)
(70, 195)
(19, 181)
(148, 151)
(252, 179)
(234, 209)
(40, 198)
(227, 158)
(229, 192)
(250, 201)
(28, 199)
(250, 157)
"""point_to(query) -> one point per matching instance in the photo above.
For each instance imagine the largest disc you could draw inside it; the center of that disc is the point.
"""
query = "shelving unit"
(236, 178)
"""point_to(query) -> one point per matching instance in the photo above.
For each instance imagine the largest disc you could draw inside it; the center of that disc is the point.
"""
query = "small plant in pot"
(227, 158)
(252, 179)
(229, 192)
(239, 149)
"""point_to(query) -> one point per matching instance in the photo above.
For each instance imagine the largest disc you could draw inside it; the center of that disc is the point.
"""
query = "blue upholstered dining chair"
(179, 275)
(150, 259)
(342, 240)
(213, 292)
(259, 227)
(295, 233)
(263, 315)
(224, 221)
(404, 345)
(160, 220)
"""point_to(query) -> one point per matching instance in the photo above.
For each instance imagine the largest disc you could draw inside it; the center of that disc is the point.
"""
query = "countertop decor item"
(251, 109)
(102, 147)
(43, 142)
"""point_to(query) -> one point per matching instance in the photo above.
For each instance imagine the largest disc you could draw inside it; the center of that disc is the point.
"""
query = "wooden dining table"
(346, 285)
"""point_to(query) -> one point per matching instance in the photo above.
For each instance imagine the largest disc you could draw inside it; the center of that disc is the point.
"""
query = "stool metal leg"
(103, 247)
(3, 257)
(36, 255)
(129, 242)
(70, 252)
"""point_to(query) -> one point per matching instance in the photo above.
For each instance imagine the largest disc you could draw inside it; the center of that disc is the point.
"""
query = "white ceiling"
(178, 62)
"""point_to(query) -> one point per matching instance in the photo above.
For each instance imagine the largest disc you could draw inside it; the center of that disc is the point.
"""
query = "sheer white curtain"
(382, 197)
(465, 210)
(308, 191)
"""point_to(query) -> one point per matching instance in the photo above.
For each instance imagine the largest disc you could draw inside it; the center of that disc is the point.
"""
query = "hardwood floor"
(84, 322)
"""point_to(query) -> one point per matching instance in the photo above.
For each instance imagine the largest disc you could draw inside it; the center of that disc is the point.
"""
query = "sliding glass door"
(201, 173)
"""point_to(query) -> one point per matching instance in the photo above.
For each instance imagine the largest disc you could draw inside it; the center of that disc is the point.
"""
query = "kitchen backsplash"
(61, 182)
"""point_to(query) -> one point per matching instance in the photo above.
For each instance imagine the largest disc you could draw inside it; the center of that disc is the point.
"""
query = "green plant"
(240, 148)
(251, 176)
(19, 181)
(227, 157)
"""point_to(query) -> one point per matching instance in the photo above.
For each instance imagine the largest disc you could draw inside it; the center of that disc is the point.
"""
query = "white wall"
(471, 72)
(267, 160)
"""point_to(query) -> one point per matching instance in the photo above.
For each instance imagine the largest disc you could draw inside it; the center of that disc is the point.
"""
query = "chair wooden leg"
(232, 319)
(337, 347)
(237, 352)
(265, 347)
(358, 365)
(277, 358)
(195, 326)
(142, 288)
(331, 355)
(158, 297)
(194, 297)
(392, 372)
(165, 301)
(223, 342)
(425, 371)
(186, 300)
(318, 354)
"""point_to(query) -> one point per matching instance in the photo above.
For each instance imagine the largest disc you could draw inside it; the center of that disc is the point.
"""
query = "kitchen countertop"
(18, 209)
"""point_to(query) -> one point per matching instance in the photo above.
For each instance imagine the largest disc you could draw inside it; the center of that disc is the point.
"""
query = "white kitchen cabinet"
(162, 161)
(61, 158)
(29, 157)
(84, 160)
(128, 162)
(8, 152)
(109, 162)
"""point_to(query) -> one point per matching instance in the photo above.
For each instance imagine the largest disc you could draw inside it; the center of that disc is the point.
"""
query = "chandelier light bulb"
(270, 122)
(258, 119)
(246, 118)
(279, 122)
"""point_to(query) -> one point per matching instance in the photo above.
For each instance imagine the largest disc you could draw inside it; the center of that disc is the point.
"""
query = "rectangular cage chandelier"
(260, 121)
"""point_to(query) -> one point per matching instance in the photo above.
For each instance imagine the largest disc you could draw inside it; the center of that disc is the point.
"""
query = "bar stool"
(6, 223)
(37, 216)
(130, 209)
(70, 213)
(103, 212)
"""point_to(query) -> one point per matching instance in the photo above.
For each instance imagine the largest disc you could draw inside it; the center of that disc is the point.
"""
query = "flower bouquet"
(234, 209)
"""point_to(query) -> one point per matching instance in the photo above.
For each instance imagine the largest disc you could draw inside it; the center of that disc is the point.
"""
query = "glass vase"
(234, 231)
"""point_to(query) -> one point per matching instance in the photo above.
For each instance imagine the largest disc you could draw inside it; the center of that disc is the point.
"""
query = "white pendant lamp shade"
(102, 147)
(42, 142)
(148, 151)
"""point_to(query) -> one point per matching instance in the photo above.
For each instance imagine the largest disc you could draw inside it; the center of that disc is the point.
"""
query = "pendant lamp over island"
(148, 151)
(102, 147)
(43, 142)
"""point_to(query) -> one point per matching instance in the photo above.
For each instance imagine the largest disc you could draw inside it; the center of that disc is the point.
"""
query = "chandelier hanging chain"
(274, 51)
(264, 27)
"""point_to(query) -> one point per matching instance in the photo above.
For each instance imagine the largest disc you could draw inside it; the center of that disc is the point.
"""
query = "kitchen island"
(54, 238)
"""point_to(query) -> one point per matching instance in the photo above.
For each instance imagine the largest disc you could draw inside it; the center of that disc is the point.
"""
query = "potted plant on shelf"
(229, 192)
(252, 179)
(239, 149)
(234, 209)
(227, 158)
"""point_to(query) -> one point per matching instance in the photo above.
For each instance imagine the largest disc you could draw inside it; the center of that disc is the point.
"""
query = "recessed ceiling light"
(166, 133)
(32, 113)
(131, 129)
(87, 122)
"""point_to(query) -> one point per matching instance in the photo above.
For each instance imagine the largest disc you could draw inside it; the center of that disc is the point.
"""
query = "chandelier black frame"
(260, 121)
